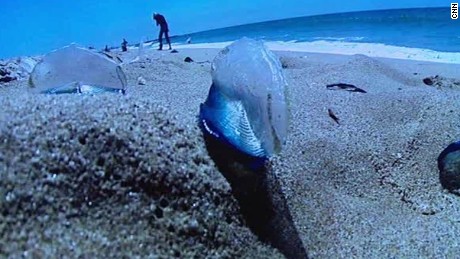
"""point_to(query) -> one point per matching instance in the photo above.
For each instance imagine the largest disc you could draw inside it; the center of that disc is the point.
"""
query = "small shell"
(246, 105)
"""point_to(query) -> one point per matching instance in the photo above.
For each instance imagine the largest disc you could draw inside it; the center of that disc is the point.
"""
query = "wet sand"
(365, 187)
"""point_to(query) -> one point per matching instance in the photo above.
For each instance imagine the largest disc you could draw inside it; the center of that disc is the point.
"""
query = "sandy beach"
(365, 187)
(349, 48)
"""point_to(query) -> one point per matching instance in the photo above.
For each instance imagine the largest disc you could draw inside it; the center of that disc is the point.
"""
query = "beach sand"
(367, 187)
(111, 175)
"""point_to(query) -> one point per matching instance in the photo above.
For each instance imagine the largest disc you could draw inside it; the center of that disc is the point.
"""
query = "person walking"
(161, 21)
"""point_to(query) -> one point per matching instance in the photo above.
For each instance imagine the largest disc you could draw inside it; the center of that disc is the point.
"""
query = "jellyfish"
(246, 107)
(73, 69)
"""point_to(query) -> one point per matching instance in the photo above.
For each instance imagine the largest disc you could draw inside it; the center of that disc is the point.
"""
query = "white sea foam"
(350, 48)
(340, 38)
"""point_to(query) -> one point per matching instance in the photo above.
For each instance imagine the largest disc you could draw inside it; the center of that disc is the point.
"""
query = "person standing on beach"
(124, 45)
(160, 19)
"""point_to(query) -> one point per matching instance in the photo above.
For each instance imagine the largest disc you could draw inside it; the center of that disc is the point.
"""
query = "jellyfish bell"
(73, 69)
(246, 105)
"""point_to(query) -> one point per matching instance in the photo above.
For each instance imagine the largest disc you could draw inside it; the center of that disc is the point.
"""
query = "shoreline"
(377, 50)
(374, 50)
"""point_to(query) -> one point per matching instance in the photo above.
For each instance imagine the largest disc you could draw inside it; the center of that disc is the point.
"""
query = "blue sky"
(29, 27)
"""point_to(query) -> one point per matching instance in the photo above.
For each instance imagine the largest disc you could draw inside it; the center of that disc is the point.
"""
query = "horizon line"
(298, 17)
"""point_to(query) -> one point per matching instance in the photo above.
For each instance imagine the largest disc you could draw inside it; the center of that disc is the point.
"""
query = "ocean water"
(425, 28)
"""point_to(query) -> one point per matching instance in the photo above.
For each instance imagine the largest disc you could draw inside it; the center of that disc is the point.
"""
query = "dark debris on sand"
(16, 69)
(442, 82)
(345, 87)
(110, 177)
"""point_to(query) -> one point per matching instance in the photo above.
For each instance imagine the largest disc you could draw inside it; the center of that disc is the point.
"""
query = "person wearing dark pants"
(161, 21)
(124, 45)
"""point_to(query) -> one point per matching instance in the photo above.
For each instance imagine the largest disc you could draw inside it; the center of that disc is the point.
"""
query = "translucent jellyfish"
(74, 69)
(246, 105)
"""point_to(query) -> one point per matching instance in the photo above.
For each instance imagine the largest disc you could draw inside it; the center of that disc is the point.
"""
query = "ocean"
(424, 28)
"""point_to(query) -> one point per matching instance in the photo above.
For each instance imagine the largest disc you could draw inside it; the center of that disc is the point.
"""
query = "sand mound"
(372, 180)
(293, 62)
(371, 66)
(111, 176)
(367, 73)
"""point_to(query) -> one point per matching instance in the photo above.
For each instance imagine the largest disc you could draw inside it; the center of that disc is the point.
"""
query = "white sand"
(349, 48)
(111, 175)
(367, 188)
